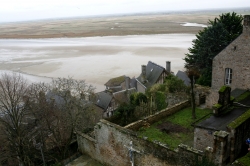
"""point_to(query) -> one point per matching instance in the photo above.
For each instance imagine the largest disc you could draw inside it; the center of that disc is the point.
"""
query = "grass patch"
(240, 120)
(243, 96)
(245, 160)
(182, 118)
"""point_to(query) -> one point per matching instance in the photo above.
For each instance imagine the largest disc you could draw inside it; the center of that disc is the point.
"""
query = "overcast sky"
(21, 10)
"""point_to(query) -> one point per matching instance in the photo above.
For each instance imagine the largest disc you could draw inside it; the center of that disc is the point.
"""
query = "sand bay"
(97, 49)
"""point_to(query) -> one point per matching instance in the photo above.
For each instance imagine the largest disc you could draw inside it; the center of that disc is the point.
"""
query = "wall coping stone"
(86, 136)
(120, 128)
(191, 149)
(146, 119)
(222, 134)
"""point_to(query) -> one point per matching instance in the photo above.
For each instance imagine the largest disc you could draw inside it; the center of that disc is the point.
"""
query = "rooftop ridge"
(156, 64)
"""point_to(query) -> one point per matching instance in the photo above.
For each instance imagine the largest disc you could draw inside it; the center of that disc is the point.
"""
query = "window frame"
(228, 76)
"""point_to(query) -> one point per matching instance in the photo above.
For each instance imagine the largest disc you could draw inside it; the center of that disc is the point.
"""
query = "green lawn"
(182, 118)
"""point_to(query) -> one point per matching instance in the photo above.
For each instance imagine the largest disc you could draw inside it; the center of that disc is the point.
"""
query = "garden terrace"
(174, 129)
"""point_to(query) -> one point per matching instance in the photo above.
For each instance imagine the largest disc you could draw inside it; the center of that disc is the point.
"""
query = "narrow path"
(84, 160)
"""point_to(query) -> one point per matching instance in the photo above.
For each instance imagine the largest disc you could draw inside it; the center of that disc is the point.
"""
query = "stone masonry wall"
(140, 88)
(176, 98)
(238, 138)
(235, 56)
(108, 147)
(203, 138)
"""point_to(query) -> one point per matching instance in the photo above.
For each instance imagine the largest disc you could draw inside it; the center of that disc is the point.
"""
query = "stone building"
(152, 74)
(106, 102)
(119, 83)
(231, 65)
(224, 133)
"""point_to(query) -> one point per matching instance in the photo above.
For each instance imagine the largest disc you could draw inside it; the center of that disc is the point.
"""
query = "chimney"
(246, 23)
(168, 67)
(127, 82)
(143, 73)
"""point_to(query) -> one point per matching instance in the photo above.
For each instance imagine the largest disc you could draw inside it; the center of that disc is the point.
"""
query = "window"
(228, 76)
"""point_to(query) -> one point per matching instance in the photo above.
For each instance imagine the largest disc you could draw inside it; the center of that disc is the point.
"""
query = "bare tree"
(13, 89)
(193, 74)
(61, 109)
(58, 110)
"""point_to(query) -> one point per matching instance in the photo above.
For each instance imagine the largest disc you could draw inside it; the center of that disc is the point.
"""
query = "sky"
(23, 10)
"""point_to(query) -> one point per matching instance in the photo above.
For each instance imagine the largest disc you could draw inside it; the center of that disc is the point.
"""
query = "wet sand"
(93, 59)
(102, 48)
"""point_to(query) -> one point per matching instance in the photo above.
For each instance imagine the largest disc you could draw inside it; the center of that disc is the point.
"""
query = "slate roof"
(115, 81)
(103, 99)
(123, 96)
(58, 99)
(183, 76)
(237, 92)
(221, 122)
(153, 72)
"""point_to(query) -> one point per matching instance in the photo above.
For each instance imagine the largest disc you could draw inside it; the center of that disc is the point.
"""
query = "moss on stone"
(223, 88)
(243, 96)
(115, 81)
(217, 105)
(245, 160)
(234, 124)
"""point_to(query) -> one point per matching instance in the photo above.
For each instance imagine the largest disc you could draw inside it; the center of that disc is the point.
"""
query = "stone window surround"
(228, 76)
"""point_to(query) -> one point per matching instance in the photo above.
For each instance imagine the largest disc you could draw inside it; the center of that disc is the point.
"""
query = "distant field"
(109, 26)
(113, 25)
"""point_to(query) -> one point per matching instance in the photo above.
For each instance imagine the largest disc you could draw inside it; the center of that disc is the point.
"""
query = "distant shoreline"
(115, 25)
(170, 12)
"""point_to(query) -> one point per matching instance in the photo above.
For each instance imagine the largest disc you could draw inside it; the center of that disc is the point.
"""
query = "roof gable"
(183, 76)
(103, 100)
(115, 81)
(153, 72)
(123, 96)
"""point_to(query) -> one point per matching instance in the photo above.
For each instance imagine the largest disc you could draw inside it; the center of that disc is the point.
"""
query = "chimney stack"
(143, 73)
(168, 67)
(246, 23)
(127, 82)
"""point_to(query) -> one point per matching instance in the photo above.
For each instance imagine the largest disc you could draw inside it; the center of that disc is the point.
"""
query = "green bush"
(160, 100)
(174, 84)
(137, 98)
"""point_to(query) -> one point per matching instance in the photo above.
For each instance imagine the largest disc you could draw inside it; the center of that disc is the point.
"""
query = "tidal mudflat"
(93, 59)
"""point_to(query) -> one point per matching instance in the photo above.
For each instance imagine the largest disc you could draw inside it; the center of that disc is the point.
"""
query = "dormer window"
(228, 76)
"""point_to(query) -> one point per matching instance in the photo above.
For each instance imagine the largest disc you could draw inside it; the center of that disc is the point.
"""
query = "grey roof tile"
(153, 72)
(103, 99)
(183, 76)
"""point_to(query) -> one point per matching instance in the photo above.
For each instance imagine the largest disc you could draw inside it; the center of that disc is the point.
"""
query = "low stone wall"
(109, 147)
(158, 116)
(238, 138)
(176, 98)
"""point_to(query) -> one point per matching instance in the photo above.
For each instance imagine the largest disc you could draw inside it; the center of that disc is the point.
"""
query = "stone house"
(152, 74)
(106, 102)
(123, 96)
(231, 65)
(120, 83)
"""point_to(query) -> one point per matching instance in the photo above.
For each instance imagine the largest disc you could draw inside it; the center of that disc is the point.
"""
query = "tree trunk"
(192, 99)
